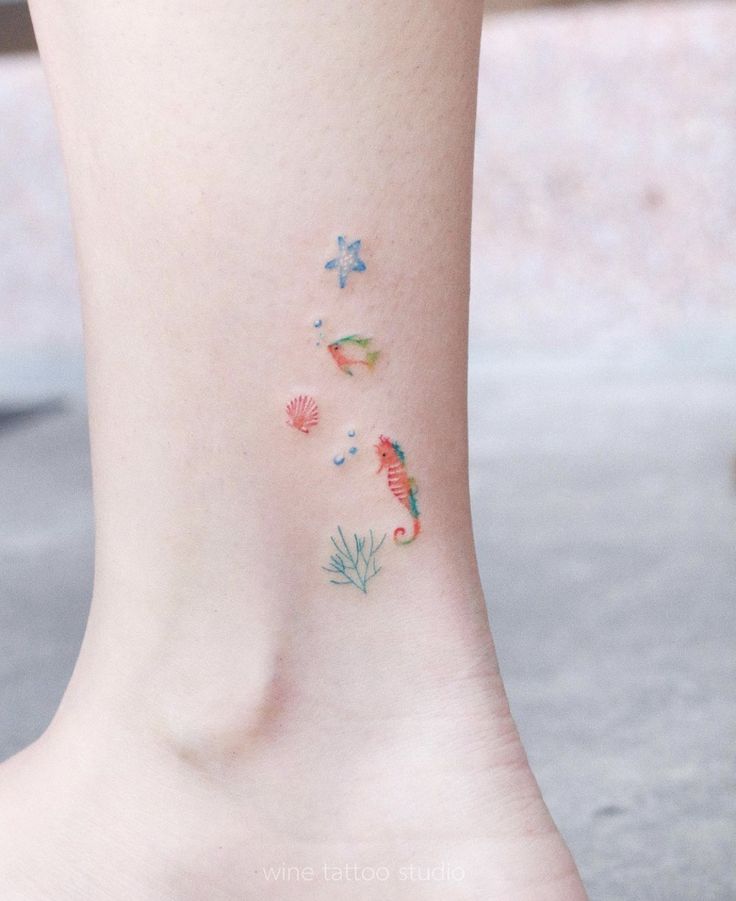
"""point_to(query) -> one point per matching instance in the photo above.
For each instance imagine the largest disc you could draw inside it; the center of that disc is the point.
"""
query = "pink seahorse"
(403, 487)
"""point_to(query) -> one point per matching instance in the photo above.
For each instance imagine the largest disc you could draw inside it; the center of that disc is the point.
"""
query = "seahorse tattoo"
(392, 458)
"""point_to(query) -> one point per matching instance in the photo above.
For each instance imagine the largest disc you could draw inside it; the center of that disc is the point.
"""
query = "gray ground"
(603, 420)
(606, 522)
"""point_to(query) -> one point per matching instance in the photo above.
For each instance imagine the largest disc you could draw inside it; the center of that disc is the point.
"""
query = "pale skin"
(232, 710)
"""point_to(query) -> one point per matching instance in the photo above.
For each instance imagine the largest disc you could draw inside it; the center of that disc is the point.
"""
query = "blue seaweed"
(354, 562)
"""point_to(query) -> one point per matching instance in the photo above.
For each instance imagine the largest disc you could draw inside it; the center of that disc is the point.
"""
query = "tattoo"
(340, 458)
(320, 336)
(347, 260)
(392, 458)
(354, 562)
(302, 412)
(353, 350)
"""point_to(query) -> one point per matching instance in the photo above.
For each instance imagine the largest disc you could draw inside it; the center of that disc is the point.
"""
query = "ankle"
(227, 702)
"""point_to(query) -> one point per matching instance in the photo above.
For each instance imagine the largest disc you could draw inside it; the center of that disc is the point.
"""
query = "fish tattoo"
(392, 458)
(353, 350)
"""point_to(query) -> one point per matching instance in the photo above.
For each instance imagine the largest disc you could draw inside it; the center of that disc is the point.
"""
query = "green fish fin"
(355, 339)
(372, 357)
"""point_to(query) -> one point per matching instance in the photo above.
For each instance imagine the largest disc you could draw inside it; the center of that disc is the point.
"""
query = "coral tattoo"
(354, 562)
(353, 350)
(347, 260)
(392, 458)
(303, 413)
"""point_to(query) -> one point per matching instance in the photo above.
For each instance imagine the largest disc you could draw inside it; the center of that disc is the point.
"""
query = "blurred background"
(603, 421)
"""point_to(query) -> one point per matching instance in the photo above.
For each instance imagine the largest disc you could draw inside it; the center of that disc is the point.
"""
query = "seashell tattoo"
(302, 412)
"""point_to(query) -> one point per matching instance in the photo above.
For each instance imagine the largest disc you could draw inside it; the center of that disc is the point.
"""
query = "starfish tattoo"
(348, 260)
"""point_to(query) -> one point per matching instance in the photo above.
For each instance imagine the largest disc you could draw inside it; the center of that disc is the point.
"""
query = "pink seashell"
(303, 413)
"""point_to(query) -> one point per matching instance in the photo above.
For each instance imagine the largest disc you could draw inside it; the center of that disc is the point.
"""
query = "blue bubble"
(318, 323)
(353, 450)
(338, 459)
(351, 433)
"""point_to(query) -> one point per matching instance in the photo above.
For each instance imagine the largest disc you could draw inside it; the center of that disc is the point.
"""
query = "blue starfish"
(347, 260)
